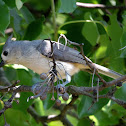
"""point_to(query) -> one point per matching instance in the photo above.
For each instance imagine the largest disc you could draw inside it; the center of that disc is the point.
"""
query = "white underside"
(42, 64)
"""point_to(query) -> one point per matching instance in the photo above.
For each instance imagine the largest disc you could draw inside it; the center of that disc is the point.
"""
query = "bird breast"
(41, 64)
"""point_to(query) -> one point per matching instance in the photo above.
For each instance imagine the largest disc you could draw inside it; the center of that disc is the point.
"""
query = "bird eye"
(5, 53)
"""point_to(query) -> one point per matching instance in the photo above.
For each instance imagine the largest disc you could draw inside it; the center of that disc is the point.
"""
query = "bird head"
(10, 53)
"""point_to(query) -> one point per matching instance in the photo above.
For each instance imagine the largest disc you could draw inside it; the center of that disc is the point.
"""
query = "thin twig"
(54, 19)
(101, 6)
(93, 78)
(61, 116)
(53, 72)
(7, 104)
(63, 112)
(97, 89)
(92, 66)
(70, 89)
(89, 63)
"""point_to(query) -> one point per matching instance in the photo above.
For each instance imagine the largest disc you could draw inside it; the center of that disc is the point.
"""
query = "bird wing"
(68, 54)
(61, 52)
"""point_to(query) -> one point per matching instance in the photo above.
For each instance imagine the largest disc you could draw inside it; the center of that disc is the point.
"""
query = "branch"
(20, 88)
(3, 79)
(61, 116)
(118, 101)
(63, 112)
(54, 19)
(7, 104)
(69, 112)
(92, 66)
(70, 89)
(101, 6)
(9, 30)
(85, 90)
(74, 90)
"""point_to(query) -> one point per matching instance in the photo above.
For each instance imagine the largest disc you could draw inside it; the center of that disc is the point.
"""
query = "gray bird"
(35, 55)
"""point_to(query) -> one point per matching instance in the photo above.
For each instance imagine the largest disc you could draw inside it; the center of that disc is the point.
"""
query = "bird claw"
(61, 87)
(39, 89)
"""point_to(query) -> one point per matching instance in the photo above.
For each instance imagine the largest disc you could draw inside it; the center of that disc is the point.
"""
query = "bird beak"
(2, 63)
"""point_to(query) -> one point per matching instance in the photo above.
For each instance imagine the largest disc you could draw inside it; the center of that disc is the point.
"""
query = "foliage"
(102, 33)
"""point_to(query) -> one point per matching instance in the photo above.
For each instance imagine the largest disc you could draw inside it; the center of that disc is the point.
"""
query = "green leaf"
(23, 104)
(2, 122)
(84, 121)
(40, 5)
(48, 103)
(67, 6)
(101, 51)
(104, 120)
(19, 4)
(18, 118)
(110, 115)
(123, 37)
(10, 73)
(123, 53)
(82, 78)
(90, 30)
(4, 17)
(35, 77)
(24, 77)
(34, 29)
(10, 3)
(39, 107)
(55, 123)
(121, 92)
(16, 22)
(0, 105)
(1, 46)
(85, 104)
(27, 15)
(101, 29)
(117, 110)
(24, 1)
(115, 32)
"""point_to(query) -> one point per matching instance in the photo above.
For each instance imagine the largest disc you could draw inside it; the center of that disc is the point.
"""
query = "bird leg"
(61, 86)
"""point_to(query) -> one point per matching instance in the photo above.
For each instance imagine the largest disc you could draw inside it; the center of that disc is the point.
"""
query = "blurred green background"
(103, 32)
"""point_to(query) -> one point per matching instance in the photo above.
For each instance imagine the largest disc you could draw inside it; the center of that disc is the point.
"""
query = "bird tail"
(107, 72)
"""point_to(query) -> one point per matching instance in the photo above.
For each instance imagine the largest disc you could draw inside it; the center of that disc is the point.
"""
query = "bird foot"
(39, 90)
(61, 87)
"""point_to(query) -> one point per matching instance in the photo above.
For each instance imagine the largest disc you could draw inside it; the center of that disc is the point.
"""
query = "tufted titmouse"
(36, 54)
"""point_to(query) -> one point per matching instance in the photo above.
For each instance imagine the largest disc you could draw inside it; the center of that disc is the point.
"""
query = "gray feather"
(63, 53)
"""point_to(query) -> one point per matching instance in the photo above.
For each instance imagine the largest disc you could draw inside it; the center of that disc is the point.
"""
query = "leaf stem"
(54, 19)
